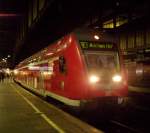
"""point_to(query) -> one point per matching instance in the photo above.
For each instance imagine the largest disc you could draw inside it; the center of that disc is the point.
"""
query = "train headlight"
(117, 78)
(94, 79)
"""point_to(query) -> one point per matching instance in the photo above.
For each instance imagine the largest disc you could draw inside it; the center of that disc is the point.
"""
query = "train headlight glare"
(117, 78)
(94, 78)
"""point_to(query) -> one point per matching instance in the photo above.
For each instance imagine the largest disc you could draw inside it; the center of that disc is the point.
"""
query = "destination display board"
(87, 45)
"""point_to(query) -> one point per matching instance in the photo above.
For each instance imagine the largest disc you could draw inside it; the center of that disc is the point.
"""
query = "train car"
(139, 73)
(83, 66)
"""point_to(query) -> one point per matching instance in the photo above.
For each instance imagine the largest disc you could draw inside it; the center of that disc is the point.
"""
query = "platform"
(139, 89)
(24, 112)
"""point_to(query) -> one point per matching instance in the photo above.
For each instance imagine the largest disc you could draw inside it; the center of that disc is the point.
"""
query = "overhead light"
(96, 37)
(117, 3)
(16, 72)
(8, 15)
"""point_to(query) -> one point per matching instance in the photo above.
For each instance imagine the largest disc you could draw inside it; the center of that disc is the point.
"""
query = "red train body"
(78, 67)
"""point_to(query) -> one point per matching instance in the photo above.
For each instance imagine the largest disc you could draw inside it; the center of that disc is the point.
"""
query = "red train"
(82, 66)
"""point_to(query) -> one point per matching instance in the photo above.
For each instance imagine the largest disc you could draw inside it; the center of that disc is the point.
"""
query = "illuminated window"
(123, 42)
(148, 38)
(139, 39)
(108, 24)
(41, 4)
(119, 21)
(131, 40)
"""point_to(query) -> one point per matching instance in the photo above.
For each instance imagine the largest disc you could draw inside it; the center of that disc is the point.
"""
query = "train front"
(106, 76)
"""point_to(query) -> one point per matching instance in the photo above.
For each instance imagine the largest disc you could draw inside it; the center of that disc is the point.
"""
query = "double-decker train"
(83, 66)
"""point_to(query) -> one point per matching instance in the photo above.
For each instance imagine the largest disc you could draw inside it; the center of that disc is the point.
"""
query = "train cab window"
(102, 61)
(62, 65)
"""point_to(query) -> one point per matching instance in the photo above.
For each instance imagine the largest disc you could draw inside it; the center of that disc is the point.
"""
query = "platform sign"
(87, 45)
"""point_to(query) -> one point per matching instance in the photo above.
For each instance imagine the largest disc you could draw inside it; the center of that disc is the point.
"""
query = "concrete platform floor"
(139, 89)
(23, 112)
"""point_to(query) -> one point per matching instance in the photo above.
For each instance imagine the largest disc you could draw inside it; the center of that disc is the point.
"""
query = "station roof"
(58, 18)
(11, 14)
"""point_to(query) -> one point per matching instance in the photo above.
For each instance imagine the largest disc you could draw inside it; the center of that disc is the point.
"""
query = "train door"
(41, 82)
(60, 71)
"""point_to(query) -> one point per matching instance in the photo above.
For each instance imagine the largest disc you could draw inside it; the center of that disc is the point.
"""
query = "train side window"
(62, 65)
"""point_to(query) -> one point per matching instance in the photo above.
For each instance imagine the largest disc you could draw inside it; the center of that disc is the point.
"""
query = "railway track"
(124, 120)
(117, 127)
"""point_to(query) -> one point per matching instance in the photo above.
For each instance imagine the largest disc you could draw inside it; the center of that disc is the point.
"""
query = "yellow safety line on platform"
(38, 111)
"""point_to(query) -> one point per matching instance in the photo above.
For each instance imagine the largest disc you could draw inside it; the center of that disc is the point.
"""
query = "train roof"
(84, 34)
